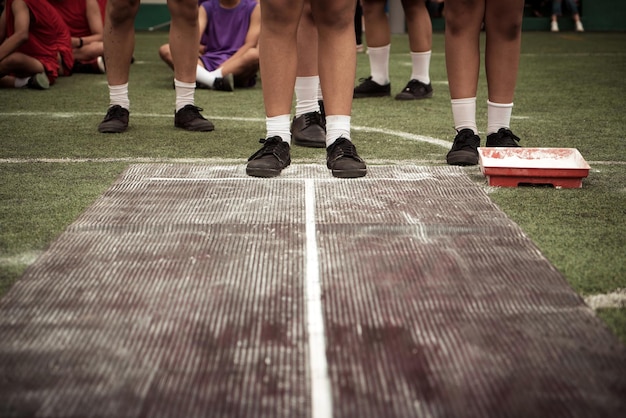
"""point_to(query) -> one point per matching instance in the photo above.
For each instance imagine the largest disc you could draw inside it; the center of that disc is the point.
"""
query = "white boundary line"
(616, 299)
(321, 394)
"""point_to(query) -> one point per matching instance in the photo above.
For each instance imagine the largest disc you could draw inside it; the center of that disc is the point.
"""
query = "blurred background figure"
(85, 22)
(558, 11)
(35, 46)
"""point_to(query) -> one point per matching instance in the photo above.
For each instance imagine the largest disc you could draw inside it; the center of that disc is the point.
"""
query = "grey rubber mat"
(192, 291)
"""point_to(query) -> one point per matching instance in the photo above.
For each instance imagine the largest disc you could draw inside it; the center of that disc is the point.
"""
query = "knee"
(334, 17)
(120, 11)
(164, 53)
(186, 10)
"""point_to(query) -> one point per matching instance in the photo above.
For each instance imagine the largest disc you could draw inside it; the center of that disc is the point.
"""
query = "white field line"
(616, 299)
(321, 394)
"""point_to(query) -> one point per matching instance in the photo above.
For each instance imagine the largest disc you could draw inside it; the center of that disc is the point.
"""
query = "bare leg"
(119, 39)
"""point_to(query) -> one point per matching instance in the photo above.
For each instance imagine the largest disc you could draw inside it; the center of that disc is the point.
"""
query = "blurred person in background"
(35, 45)
(84, 20)
(557, 11)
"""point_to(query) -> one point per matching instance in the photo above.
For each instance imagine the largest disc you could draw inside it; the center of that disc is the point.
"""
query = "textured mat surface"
(189, 291)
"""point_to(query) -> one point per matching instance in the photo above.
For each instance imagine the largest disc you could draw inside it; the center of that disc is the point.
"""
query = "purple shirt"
(225, 31)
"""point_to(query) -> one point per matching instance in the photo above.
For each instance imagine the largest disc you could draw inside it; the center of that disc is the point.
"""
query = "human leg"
(503, 26)
(119, 44)
(308, 127)
(278, 63)
(183, 29)
(420, 41)
(337, 68)
(378, 39)
(462, 49)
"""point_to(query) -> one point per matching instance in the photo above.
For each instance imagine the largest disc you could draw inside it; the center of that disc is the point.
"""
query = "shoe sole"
(366, 95)
(309, 144)
(402, 96)
(462, 159)
(112, 129)
(262, 172)
(198, 129)
(349, 174)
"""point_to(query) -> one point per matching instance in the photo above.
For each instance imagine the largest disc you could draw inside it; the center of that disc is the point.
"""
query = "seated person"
(84, 20)
(35, 46)
(229, 35)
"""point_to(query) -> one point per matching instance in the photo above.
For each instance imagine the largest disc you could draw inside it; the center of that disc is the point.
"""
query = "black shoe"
(415, 90)
(343, 161)
(190, 119)
(115, 121)
(226, 83)
(370, 88)
(503, 138)
(322, 110)
(270, 160)
(38, 82)
(464, 150)
(309, 130)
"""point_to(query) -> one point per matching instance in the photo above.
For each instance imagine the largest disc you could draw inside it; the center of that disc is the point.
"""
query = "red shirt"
(74, 14)
(48, 37)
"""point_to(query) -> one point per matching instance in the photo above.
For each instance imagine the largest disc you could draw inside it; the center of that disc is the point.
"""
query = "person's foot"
(38, 81)
(579, 26)
(190, 119)
(343, 160)
(271, 159)
(415, 90)
(503, 138)
(554, 26)
(464, 150)
(226, 83)
(309, 130)
(115, 121)
(370, 88)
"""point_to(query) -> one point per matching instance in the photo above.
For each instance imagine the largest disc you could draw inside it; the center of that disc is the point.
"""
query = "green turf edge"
(37, 203)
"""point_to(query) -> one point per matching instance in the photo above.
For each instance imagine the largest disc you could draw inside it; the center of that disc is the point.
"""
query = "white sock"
(306, 95)
(207, 77)
(21, 82)
(279, 126)
(337, 126)
(379, 64)
(464, 113)
(184, 94)
(498, 116)
(118, 95)
(421, 66)
(320, 96)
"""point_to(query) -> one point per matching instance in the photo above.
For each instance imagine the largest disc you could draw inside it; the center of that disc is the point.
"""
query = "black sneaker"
(415, 90)
(38, 82)
(309, 130)
(464, 150)
(503, 138)
(115, 121)
(370, 88)
(343, 161)
(226, 83)
(270, 160)
(190, 119)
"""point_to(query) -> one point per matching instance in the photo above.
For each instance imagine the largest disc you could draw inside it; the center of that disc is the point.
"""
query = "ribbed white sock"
(379, 64)
(118, 95)
(421, 66)
(306, 95)
(184, 94)
(464, 114)
(337, 126)
(279, 126)
(498, 116)
(207, 77)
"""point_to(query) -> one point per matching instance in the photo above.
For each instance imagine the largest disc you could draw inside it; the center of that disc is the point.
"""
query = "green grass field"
(571, 93)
